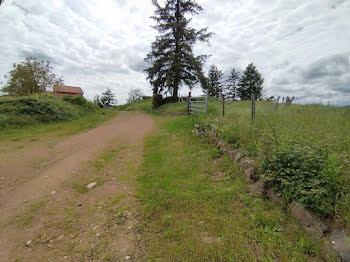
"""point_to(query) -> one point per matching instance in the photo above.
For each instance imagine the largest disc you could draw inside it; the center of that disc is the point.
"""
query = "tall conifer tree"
(232, 84)
(215, 80)
(251, 82)
(172, 58)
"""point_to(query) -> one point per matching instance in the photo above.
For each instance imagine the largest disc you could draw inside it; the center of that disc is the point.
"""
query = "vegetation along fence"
(197, 105)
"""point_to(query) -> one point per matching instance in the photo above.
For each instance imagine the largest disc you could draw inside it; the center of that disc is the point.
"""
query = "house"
(61, 91)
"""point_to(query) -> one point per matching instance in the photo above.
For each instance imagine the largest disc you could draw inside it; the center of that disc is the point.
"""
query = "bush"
(309, 175)
(78, 100)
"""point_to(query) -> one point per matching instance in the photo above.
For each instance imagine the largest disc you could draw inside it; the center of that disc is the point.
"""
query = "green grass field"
(321, 132)
(196, 207)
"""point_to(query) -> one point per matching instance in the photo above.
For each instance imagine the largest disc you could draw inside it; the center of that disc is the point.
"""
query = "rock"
(53, 192)
(341, 244)
(232, 154)
(91, 185)
(257, 188)
(310, 222)
(212, 136)
(28, 243)
(60, 237)
(221, 144)
(127, 257)
(249, 173)
(273, 196)
(237, 157)
(246, 163)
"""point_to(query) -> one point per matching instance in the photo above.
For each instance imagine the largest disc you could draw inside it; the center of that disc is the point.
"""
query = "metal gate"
(197, 105)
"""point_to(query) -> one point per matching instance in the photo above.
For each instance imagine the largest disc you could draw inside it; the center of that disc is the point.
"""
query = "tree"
(231, 84)
(1, 1)
(106, 100)
(135, 95)
(251, 82)
(215, 81)
(30, 77)
(172, 58)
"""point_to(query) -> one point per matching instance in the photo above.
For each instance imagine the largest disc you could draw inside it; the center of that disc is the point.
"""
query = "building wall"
(58, 94)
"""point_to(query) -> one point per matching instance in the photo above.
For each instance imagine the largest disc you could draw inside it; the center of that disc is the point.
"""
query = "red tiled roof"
(68, 89)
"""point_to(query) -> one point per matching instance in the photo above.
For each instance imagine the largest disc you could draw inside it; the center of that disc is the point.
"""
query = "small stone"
(127, 257)
(98, 234)
(2, 178)
(28, 243)
(91, 185)
(257, 188)
(273, 196)
(65, 257)
(310, 222)
(221, 144)
(250, 173)
(53, 192)
(246, 163)
(94, 228)
(237, 157)
(99, 207)
(341, 244)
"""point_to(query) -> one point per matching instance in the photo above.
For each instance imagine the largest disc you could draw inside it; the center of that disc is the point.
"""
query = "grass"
(188, 213)
(308, 126)
(27, 217)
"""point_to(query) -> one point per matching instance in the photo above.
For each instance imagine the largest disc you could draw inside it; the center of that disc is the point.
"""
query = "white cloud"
(95, 44)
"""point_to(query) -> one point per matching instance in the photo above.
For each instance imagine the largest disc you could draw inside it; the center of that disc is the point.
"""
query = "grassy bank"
(31, 117)
(196, 206)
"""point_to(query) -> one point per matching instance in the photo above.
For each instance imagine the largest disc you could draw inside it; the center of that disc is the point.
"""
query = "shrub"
(78, 100)
(309, 175)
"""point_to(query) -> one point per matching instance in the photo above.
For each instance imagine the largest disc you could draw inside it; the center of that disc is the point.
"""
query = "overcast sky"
(301, 47)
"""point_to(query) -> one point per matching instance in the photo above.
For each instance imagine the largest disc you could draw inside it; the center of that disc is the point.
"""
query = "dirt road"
(49, 214)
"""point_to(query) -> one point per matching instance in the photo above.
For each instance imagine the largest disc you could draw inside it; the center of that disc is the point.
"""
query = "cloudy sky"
(302, 48)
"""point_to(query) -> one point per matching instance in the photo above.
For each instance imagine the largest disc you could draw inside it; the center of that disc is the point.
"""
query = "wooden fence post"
(188, 102)
(223, 105)
(276, 103)
(206, 100)
(253, 107)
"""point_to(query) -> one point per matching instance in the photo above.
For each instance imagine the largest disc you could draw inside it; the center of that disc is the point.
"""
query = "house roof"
(68, 89)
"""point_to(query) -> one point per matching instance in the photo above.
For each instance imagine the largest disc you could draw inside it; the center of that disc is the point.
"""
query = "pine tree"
(251, 82)
(231, 85)
(106, 100)
(172, 58)
(215, 81)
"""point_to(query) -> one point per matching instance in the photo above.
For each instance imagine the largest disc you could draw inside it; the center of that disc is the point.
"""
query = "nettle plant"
(307, 174)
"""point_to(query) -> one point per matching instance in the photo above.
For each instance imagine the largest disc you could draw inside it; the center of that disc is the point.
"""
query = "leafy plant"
(310, 175)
